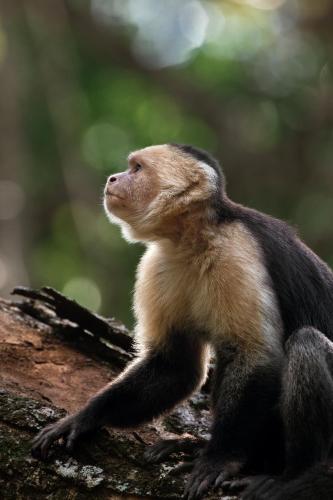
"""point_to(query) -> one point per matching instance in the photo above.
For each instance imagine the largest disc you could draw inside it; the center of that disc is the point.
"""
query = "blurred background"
(84, 82)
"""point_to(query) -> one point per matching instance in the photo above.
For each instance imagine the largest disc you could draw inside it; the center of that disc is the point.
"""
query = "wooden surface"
(43, 374)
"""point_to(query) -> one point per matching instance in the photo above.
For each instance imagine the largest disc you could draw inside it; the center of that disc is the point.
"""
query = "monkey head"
(162, 185)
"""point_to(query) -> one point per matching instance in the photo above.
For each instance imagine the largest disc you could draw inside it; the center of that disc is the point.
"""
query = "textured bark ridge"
(54, 355)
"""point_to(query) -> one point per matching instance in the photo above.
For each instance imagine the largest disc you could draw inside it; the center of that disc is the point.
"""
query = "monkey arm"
(152, 385)
(149, 387)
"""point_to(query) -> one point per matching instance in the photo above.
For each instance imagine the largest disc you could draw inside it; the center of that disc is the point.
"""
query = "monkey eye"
(137, 167)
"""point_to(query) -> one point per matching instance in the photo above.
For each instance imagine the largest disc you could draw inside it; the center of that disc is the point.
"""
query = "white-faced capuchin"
(217, 275)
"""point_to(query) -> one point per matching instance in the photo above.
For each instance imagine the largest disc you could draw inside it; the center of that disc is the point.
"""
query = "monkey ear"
(200, 155)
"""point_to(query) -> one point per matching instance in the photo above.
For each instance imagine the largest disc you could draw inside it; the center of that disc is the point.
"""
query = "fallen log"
(51, 362)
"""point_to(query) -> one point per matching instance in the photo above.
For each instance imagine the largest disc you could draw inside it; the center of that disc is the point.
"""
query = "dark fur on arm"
(151, 386)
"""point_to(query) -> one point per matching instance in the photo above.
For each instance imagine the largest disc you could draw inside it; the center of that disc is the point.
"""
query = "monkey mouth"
(110, 193)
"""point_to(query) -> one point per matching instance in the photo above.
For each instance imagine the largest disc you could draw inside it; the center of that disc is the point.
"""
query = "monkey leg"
(307, 412)
(244, 396)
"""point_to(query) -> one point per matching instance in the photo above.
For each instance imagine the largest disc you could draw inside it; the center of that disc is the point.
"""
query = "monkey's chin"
(112, 210)
(115, 205)
(127, 224)
(113, 201)
(126, 229)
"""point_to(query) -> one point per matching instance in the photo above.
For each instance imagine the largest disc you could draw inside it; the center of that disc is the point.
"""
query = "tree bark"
(47, 370)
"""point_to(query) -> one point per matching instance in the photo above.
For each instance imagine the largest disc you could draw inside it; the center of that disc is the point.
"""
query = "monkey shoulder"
(236, 297)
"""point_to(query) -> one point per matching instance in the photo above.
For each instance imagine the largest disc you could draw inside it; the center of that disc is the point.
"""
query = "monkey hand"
(68, 429)
(209, 471)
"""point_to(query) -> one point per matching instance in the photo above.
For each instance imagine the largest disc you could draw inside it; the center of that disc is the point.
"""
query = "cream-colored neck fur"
(191, 232)
(212, 282)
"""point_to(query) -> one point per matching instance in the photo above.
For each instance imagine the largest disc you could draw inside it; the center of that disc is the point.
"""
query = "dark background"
(82, 83)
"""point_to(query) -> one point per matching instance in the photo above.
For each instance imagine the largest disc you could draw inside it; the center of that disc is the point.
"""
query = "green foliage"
(98, 79)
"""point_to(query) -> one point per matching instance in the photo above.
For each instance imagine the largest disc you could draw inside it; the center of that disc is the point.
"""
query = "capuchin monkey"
(219, 276)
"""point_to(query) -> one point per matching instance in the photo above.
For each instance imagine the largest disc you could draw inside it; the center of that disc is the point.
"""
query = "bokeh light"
(85, 83)
(104, 145)
(85, 291)
(11, 199)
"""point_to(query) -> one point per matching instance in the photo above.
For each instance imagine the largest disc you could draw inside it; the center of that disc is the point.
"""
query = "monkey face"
(128, 194)
(160, 185)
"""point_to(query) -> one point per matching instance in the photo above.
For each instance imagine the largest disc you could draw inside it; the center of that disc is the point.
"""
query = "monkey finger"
(188, 489)
(72, 437)
(35, 452)
(193, 485)
(253, 490)
(44, 448)
(222, 476)
(181, 468)
(43, 441)
(237, 485)
(36, 442)
(265, 490)
(38, 448)
(42, 433)
(206, 484)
